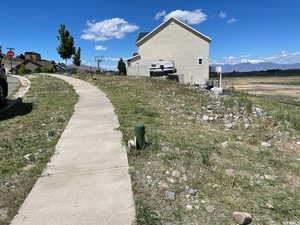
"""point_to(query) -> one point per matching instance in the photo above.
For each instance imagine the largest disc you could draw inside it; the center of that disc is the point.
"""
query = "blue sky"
(257, 30)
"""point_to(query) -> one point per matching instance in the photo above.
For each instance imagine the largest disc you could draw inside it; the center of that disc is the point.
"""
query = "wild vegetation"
(29, 132)
(208, 157)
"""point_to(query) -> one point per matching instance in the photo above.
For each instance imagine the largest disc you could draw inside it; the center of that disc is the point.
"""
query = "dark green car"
(3, 84)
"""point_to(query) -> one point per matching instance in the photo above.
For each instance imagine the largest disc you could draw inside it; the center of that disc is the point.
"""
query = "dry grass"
(29, 132)
(229, 168)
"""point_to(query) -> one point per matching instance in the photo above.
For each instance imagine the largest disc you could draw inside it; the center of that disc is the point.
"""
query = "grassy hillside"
(208, 157)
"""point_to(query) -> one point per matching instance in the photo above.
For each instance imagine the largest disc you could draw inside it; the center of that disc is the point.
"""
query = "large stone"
(192, 192)
(176, 173)
(230, 172)
(242, 218)
(170, 195)
(228, 125)
(210, 209)
(217, 91)
(266, 144)
(205, 118)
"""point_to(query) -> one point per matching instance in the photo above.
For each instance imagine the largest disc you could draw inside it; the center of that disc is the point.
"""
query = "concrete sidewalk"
(87, 180)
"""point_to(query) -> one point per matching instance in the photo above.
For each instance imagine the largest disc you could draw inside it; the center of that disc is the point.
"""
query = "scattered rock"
(192, 192)
(230, 172)
(210, 209)
(210, 118)
(171, 180)
(269, 206)
(298, 142)
(269, 177)
(217, 91)
(28, 156)
(257, 111)
(176, 173)
(209, 107)
(131, 144)
(266, 144)
(224, 144)
(164, 148)
(247, 125)
(41, 150)
(216, 186)
(189, 207)
(205, 118)
(170, 195)
(242, 218)
(229, 125)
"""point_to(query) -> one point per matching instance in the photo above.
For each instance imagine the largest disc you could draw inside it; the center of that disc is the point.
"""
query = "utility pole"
(10, 54)
(99, 59)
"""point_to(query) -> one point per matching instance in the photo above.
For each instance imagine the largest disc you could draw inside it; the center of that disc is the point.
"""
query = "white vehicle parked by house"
(152, 68)
(161, 68)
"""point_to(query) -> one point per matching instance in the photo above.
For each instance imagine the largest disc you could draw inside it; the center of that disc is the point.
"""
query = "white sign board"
(218, 69)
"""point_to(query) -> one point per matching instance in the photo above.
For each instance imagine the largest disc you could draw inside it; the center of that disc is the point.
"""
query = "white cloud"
(222, 15)
(253, 61)
(160, 14)
(100, 48)
(190, 17)
(108, 29)
(232, 20)
(112, 59)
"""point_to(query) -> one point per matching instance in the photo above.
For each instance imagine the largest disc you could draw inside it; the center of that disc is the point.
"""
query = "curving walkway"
(87, 180)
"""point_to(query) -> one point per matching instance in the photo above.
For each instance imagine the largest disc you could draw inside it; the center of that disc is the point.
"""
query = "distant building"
(32, 65)
(176, 42)
(32, 56)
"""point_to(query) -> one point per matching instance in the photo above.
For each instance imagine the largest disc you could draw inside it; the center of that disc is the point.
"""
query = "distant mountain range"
(247, 67)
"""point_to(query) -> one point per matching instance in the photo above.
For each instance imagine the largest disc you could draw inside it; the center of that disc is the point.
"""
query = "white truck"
(151, 68)
(162, 68)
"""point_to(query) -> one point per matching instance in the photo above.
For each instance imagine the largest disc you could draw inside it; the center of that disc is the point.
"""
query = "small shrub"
(146, 216)
(205, 158)
(73, 71)
(22, 69)
(38, 70)
(49, 69)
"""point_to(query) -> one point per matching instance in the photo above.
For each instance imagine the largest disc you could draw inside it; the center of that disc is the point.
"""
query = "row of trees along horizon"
(66, 49)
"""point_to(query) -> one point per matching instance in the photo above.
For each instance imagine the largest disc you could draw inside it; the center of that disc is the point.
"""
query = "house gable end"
(148, 36)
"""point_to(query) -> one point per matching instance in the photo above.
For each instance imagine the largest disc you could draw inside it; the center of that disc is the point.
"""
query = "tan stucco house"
(174, 41)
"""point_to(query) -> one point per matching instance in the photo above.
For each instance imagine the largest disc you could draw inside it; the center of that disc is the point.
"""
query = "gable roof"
(141, 35)
(141, 40)
(42, 63)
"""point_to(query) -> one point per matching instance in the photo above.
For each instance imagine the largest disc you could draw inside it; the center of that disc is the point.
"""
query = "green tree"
(66, 47)
(122, 67)
(77, 57)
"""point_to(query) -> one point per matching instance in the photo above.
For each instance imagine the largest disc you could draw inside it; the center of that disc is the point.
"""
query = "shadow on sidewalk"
(19, 109)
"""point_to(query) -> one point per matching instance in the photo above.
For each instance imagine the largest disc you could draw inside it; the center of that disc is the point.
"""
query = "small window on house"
(200, 61)
(153, 65)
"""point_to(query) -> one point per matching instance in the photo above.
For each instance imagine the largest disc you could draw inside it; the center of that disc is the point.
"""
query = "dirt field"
(273, 87)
